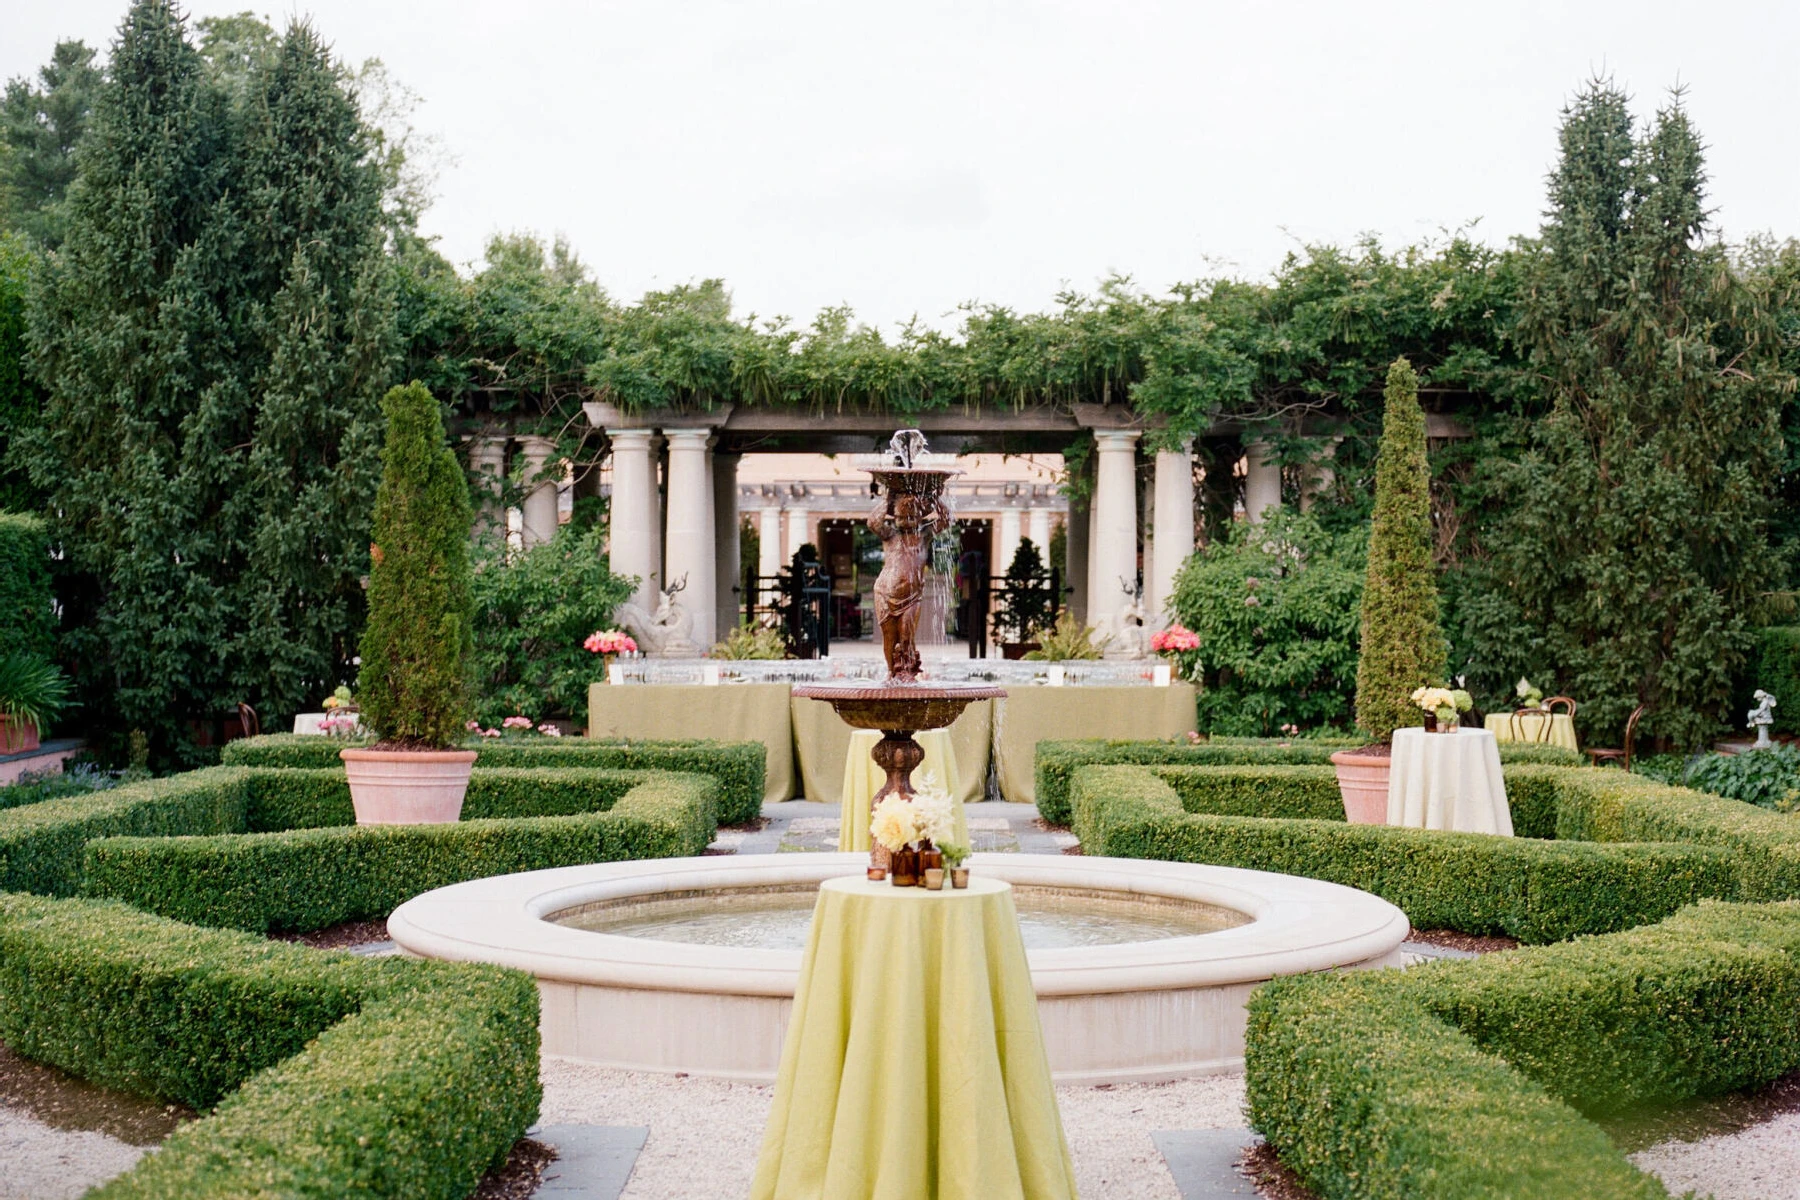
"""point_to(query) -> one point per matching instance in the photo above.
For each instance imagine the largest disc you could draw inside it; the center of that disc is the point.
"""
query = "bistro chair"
(248, 719)
(1622, 757)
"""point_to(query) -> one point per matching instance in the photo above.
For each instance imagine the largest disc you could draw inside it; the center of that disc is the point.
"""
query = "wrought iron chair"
(1622, 757)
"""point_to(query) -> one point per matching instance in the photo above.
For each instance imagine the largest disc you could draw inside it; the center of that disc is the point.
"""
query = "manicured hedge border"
(310, 878)
(738, 766)
(1536, 891)
(339, 1076)
(1462, 1080)
(1057, 762)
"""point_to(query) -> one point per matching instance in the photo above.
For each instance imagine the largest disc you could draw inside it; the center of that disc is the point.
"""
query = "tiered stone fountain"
(911, 510)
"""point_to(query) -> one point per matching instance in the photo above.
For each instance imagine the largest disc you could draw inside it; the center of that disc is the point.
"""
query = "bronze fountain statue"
(910, 513)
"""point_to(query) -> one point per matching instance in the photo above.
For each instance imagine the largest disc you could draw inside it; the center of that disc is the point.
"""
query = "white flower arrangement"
(1444, 703)
(936, 812)
(895, 823)
(1530, 695)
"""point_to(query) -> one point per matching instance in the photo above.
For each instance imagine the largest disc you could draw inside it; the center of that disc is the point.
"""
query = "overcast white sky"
(904, 157)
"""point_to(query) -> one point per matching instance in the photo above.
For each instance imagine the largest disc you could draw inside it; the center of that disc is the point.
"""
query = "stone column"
(487, 462)
(727, 570)
(1112, 551)
(1006, 544)
(658, 509)
(769, 549)
(1174, 528)
(1038, 523)
(688, 546)
(1262, 481)
(798, 528)
(1075, 561)
(539, 511)
(632, 538)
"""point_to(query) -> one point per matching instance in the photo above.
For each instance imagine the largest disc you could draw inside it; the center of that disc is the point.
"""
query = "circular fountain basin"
(1158, 995)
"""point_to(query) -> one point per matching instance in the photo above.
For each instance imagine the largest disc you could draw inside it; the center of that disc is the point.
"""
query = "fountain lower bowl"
(1167, 1008)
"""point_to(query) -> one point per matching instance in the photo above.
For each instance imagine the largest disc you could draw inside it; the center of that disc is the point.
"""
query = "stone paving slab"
(1204, 1161)
(593, 1162)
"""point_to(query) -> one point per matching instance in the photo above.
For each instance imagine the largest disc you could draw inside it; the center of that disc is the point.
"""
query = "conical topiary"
(1402, 648)
(414, 686)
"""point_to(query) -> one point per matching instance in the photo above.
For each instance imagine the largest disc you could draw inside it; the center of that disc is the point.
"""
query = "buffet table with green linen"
(738, 712)
(862, 779)
(822, 744)
(1529, 727)
(1029, 715)
(914, 1065)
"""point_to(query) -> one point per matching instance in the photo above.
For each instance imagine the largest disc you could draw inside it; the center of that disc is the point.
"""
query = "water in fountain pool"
(1049, 919)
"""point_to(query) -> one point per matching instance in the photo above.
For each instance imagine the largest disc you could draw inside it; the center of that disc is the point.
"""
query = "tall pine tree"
(1637, 547)
(213, 339)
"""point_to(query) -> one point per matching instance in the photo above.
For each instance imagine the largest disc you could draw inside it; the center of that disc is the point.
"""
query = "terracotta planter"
(17, 738)
(1014, 651)
(406, 787)
(1363, 781)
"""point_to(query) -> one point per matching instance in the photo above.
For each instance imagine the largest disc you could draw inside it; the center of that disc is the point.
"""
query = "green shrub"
(1304, 793)
(1056, 762)
(27, 614)
(1457, 1080)
(1536, 891)
(310, 878)
(531, 615)
(1401, 647)
(41, 844)
(414, 687)
(352, 1076)
(33, 690)
(81, 779)
(309, 799)
(1766, 778)
(738, 766)
(1274, 605)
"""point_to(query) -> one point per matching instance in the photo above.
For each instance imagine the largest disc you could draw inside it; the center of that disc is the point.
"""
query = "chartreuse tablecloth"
(821, 741)
(739, 712)
(862, 779)
(1529, 727)
(1033, 714)
(914, 1067)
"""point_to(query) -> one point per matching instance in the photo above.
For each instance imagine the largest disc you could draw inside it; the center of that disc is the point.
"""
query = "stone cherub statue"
(669, 631)
(1127, 638)
(1761, 717)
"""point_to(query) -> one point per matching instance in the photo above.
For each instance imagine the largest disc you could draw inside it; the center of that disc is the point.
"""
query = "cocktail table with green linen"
(914, 1065)
(862, 779)
(1530, 727)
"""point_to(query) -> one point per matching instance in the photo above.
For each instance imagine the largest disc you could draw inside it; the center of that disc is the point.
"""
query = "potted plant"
(1180, 646)
(413, 690)
(955, 855)
(1026, 605)
(1402, 648)
(1068, 641)
(33, 690)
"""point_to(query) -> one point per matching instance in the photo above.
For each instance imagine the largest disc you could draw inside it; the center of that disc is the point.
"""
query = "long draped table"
(1029, 715)
(739, 712)
(1448, 781)
(914, 1066)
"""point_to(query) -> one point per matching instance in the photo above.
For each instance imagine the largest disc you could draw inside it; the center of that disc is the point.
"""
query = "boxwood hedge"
(1536, 891)
(1463, 1080)
(738, 766)
(1057, 762)
(313, 877)
(333, 1075)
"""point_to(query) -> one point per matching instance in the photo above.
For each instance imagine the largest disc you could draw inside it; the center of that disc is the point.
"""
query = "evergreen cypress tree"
(414, 686)
(1402, 648)
(1636, 548)
(212, 340)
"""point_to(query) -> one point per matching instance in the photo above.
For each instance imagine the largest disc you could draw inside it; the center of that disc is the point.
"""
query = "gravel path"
(705, 1133)
(44, 1163)
(1760, 1163)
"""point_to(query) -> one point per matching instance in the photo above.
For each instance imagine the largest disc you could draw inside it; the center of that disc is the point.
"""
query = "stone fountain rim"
(1296, 925)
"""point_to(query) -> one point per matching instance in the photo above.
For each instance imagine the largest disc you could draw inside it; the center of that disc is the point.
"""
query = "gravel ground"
(45, 1163)
(705, 1133)
(1760, 1163)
